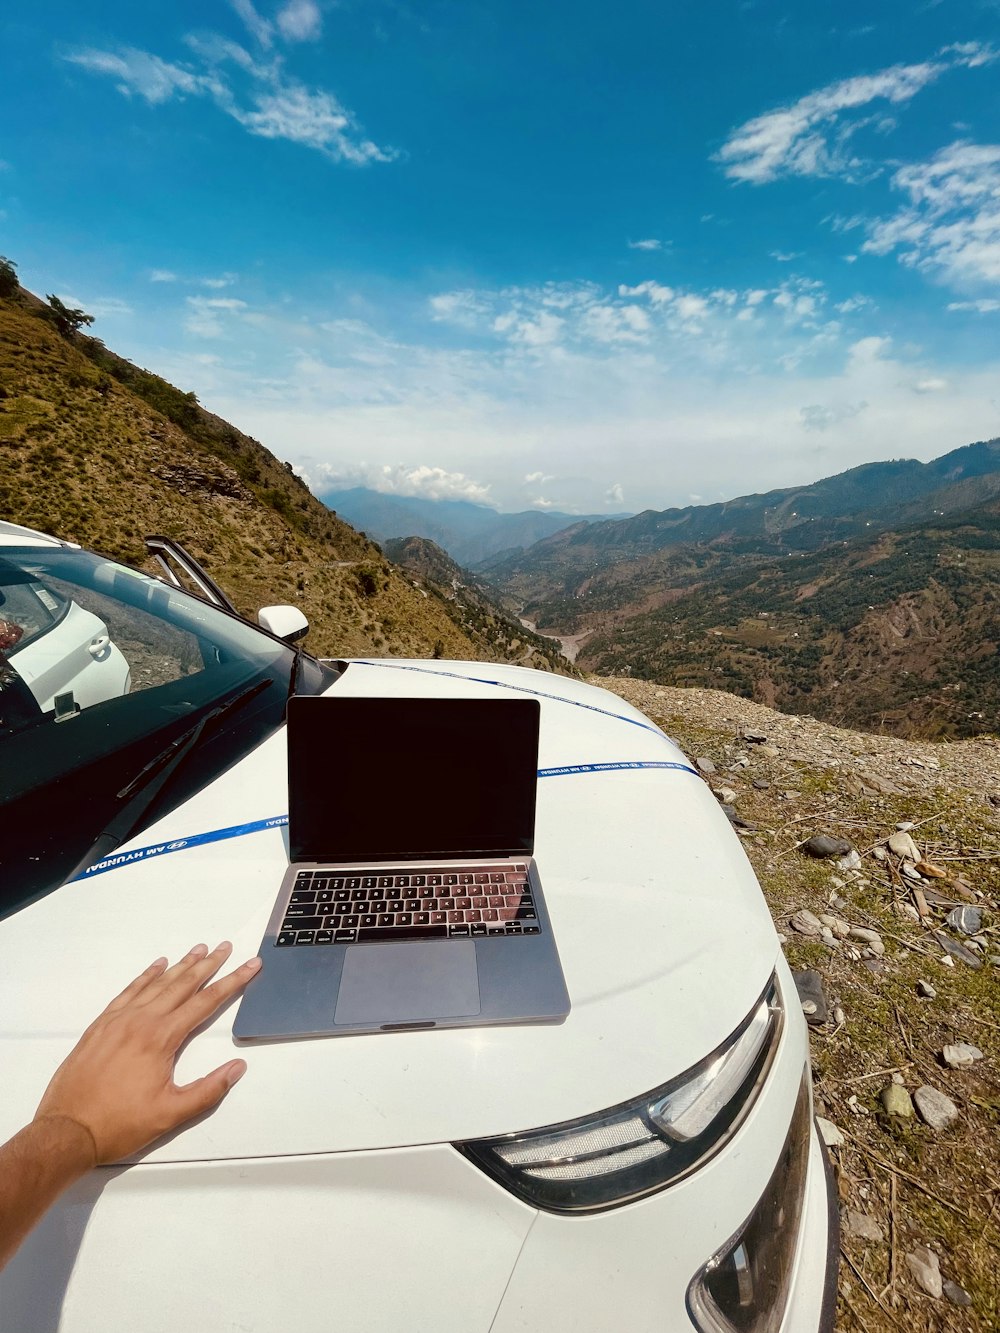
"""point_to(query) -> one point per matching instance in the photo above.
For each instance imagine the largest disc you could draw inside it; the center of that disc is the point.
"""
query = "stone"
(755, 737)
(771, 751)
(905, 825)
(961, 1055)
(962, 889)
(704, 765)
(861, 1225)
(852, 861)
(907, 911)
(871, 937)
(903, 846)
(911, 871)
(839, 1017)
(896, 1100)
(925, 989)
(880, 854)
(956, 950)
(809, 985)
(832, 1136)
(736, 819)
(956, 1294)
(930, 871)
(805, 923)
(821, 845)
(876, 782)
(936, 1110)
(725, 794)
(966, 920)
(761, 784)
(923, 1264)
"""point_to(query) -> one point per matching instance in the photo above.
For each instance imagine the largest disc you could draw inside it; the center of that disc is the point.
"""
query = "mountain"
(99, 451)
(472, 604)
(468, 532)
(877, 496)
(871, 599)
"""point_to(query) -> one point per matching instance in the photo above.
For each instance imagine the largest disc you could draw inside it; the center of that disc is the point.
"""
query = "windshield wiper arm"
(140, 793)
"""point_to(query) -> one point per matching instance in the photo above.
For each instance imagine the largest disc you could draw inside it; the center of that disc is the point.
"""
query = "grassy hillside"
(898, 632)
(472, 605)
(96, 450)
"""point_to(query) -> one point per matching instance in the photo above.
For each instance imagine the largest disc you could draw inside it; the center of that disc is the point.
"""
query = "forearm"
(36, 1165)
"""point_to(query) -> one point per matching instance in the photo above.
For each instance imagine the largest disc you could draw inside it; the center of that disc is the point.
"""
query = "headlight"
(744, 1288)
(615, 1156)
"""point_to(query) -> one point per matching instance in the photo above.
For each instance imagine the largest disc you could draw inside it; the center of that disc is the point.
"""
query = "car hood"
(663, 933)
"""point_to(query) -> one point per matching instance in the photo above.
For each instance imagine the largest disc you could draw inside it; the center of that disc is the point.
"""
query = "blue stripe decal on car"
(279, 821)
(506, 685)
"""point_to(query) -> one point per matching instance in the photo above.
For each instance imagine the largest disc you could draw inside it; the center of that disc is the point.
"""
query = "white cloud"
(101, 307)
(812, 137)
(205, 317)
(822, 417)
(930, 384)
(986, 306)
(786, 256)
(217, 284)
(262, 98)
(951, 226)
(650, 244)
(615, 494)
(853, 304)
(429, 483)
(162, 275)
(300, 21)
(537, 478)
(542, 503)
(256, 24)
(658, 294)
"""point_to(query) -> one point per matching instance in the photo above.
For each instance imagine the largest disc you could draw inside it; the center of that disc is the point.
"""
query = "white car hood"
(664, 936)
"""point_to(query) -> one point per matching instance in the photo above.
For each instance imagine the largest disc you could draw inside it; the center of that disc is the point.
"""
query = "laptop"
(412, 899)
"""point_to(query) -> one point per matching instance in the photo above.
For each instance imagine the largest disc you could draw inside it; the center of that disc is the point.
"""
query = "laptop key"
(404, 918)
(303, 896)
(422, 919)
(378, 933)
(479, 929)
(359, 895)
(417, 881)
(463, 904)
(324, 937)
(437, 918)
(526, 914)
(386, 919)
(457, 930)
(411, 905)
(306, 937)
(496, 930)
(530, 930)
(286, 937)
(302, 923)
(344, 936)
(369, 919)
(354, 882)
(368, 882)
(341, 896)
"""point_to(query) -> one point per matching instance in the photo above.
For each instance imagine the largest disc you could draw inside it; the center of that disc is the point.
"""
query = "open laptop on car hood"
(651, 898)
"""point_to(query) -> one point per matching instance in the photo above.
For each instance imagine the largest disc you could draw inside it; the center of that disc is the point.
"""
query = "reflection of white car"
(59, 650)
(650, 1165)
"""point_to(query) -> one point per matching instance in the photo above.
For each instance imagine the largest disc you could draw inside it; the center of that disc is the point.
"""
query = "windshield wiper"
(140, 793)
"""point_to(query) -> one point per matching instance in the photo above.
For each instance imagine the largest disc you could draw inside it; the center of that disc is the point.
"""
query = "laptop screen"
(401, 779)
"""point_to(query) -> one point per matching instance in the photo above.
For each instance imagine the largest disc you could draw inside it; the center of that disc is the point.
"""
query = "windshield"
(104, 673)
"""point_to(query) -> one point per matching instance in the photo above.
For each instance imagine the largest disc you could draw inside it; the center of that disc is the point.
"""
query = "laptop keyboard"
(362, 906)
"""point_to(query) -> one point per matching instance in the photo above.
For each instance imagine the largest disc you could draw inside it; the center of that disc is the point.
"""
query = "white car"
(651, 1164)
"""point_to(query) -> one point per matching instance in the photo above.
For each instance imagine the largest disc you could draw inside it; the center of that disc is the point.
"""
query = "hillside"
(894, 980)
(473, 606)
(801, 518)
(98, 451)
(468, 532)
(894, 628)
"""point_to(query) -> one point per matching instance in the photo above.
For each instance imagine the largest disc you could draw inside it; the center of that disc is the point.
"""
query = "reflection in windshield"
(101, 669)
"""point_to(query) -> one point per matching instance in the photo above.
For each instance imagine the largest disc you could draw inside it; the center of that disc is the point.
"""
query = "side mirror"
(287, 622)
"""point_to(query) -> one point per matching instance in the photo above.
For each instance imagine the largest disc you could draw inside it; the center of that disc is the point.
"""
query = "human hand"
(118, 1081)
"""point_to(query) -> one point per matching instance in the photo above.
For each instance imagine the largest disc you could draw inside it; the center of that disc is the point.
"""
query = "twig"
(865, 1283)
(892, 1240)
(902, 1032)
(985, 1022)
(908, 944)
(876, 1073)
(912, 1180)
(860, 1322)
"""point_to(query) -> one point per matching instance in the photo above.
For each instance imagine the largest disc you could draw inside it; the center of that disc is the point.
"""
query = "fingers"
(137, 986)
(206, 1002)
(187, 976)
(200, 1096)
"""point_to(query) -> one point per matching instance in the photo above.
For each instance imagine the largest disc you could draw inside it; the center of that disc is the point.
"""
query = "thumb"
(200, 1096)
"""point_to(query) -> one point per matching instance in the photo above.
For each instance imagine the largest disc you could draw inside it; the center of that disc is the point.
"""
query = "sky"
(573, 256)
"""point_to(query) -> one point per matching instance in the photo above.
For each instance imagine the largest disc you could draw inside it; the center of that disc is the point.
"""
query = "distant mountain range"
(871, 598)
(468, 532)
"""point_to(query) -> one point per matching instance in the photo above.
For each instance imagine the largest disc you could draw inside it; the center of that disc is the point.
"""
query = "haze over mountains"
(468, 532)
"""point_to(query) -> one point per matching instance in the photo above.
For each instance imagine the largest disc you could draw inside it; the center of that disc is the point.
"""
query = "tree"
(67, 319)
(8, 276)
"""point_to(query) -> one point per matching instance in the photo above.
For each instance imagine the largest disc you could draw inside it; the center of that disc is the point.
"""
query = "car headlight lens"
(744, 1288)
(618, 1155)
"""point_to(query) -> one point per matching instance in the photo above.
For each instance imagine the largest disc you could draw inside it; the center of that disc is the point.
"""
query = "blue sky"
(567, 255)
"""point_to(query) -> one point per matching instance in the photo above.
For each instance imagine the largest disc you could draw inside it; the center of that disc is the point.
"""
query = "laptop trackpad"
(409, 982)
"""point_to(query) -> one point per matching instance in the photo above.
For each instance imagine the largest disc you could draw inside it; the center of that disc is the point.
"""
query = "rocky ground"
(880, 860)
